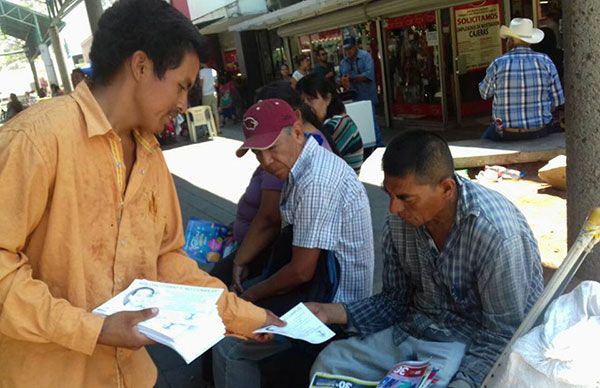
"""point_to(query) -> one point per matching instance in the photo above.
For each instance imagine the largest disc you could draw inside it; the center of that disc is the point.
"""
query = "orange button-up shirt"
(73, 235)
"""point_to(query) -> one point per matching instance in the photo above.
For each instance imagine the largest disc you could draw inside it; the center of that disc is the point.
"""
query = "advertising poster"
(477, 35)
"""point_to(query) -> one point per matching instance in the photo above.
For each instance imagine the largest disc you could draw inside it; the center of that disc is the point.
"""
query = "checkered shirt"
(329, 209)
(525, 87)
(477, 290)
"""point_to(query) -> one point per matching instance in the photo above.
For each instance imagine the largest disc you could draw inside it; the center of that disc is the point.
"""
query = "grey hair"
(287, 130)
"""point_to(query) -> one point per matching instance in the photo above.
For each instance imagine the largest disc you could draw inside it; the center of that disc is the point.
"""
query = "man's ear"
(140, 65)
(298, 130)
(448, 186)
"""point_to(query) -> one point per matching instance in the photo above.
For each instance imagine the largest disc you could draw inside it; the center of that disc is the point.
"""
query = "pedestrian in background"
(302, 69)
(357, 73)
(209, 82)
(284, 71)
(525, 87)
(323, 67)
(13, 107)
(320, 94)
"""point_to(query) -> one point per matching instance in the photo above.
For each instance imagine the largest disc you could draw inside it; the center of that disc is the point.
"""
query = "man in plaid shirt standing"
(525, 87)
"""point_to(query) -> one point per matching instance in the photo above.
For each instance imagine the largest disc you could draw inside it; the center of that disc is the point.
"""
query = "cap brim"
(257, 142)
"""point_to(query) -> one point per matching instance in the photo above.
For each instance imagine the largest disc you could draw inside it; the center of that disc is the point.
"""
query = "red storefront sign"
(230, 61)
(419, 20)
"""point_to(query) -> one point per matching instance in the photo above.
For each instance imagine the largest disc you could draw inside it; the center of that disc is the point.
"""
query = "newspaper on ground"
(301, 324)
(188, 320)
(338, 381)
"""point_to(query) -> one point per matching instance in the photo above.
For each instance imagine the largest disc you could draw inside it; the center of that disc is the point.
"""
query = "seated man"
(329, 210)
(525, 87)
(461, 270)
(258, 222)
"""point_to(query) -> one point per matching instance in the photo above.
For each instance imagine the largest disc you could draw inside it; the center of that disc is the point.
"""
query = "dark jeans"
(321, 288)
(224, 267)
(492, 134)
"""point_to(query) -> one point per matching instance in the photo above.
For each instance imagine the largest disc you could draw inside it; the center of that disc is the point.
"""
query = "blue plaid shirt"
(362, 64)
(477, 290)
(329, 209)
(525, 87)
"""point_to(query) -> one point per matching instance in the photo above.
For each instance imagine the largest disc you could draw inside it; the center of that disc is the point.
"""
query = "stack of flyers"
(410, 374)
(188, 320)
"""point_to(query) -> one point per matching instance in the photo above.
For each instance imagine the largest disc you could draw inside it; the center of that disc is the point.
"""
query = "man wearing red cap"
(329, 211)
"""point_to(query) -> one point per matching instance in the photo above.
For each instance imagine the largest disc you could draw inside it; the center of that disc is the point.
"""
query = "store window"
(412, 51)
(230, 61)
(478, 43)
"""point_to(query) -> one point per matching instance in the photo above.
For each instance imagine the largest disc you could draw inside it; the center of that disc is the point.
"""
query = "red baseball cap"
(263, 122)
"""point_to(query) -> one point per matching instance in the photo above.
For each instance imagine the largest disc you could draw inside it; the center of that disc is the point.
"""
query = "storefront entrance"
(435, 61)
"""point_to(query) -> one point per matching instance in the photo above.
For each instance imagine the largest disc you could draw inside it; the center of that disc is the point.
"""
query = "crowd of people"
(89, 205)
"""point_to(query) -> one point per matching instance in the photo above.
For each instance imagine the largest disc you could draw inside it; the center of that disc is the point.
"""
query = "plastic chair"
(198, 116)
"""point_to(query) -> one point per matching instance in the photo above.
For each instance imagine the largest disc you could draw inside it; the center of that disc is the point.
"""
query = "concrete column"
(60, 59)
(35, 75)
(582, 86)
(94, 11)
(48, 64)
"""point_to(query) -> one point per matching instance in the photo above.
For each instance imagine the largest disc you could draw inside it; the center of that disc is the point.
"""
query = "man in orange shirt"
(88, 205)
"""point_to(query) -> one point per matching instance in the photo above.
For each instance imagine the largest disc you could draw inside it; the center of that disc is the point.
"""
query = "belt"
(521, 130)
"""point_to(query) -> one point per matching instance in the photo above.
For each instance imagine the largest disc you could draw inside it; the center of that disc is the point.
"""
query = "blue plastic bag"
(204, 240)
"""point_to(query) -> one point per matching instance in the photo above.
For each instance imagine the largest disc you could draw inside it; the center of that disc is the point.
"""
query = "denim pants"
(371, 357)
(491, 133)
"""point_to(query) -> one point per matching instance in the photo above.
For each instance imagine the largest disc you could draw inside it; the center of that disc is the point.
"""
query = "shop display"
(413, 57)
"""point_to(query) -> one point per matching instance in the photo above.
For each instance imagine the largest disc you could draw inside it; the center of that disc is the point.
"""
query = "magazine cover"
(338, 381)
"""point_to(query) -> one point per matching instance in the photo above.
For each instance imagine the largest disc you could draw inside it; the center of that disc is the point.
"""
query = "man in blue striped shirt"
(461, 271)
(525, 87)
(329, 210)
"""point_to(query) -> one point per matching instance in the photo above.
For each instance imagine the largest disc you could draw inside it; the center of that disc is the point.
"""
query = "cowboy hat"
(522, 28)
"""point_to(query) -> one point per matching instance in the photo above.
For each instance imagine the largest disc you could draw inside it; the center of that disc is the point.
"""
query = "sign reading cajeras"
(477, 34)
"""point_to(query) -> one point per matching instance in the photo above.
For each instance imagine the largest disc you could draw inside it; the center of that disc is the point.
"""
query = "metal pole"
(456, 74)
(35, 76)
(94, 11)
(442, 66)
(383, 66)
(60, 60)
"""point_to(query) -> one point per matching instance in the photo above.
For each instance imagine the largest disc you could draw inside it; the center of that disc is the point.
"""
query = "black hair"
(279, 89)
(299, 58)
(152, 26)
(316, 85)
(548, 44)
(284, 91)
(423, 153)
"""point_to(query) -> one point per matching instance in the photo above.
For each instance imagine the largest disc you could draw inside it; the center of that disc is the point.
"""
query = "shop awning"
(310, 16)
(224, 24)
(383, 8)
(303, 10)
(342, 18)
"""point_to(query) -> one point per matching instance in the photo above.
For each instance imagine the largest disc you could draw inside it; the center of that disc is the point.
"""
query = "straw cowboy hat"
(522, 28)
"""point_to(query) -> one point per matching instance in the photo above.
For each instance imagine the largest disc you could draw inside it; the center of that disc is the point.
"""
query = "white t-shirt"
(208, 77)
(297, 75)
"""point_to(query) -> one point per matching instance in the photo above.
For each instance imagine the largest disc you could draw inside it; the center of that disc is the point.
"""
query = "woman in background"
(322, 97)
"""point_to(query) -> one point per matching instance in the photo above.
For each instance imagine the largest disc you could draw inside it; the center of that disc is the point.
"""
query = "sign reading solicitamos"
(477, 35)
